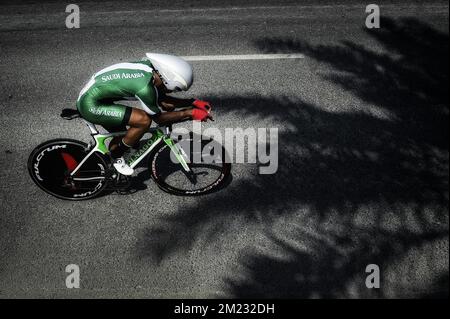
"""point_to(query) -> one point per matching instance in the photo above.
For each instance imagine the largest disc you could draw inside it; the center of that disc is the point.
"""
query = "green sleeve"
(149, 99)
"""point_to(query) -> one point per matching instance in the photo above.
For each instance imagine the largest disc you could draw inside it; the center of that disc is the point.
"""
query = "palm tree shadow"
(338, 164)
(335, 270)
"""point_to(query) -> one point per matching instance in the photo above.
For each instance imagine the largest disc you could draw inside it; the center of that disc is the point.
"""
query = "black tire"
(161, 167)
(48, 167)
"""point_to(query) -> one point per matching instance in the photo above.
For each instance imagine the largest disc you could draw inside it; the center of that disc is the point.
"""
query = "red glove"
(199, 115)
(202, 105)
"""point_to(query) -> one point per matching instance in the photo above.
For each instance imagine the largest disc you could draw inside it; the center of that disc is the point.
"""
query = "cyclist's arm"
(169, 103)
(172, 117)
(147, 97)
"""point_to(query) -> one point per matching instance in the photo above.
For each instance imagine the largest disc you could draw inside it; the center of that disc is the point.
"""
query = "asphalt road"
(363, 152)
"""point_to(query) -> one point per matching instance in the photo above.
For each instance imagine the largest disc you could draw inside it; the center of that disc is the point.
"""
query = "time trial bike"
(73, 170)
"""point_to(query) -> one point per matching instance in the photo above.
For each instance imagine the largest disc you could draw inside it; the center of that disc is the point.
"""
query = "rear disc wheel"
(51, 163)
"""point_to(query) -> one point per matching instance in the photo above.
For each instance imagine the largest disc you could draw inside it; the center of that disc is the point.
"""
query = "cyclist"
(147, 81)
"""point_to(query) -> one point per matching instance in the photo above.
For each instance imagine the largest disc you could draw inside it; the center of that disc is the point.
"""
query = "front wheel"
(51, 163)
(209, 170)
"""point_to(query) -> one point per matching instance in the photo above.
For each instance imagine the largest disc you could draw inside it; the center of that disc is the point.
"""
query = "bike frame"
(160, 133)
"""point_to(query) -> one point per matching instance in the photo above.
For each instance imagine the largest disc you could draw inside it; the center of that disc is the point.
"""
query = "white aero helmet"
(176, 73)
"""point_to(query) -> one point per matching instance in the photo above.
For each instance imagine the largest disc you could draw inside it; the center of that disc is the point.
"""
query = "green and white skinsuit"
(122, 81)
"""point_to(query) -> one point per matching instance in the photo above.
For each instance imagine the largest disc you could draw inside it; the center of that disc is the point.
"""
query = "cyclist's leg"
(116, 139)
(115, 115)
(139, 123)
(115, 129)
(104, 113)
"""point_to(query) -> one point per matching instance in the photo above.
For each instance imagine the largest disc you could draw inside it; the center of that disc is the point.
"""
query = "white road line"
(286, 7)
(243, 57)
